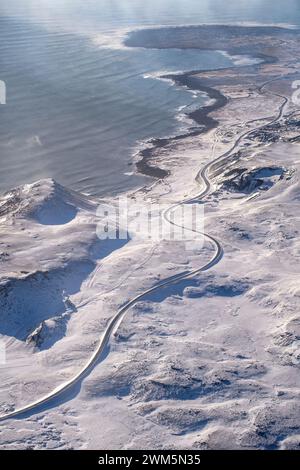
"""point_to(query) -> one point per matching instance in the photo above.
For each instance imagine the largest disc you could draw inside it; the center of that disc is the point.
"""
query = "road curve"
(203, 178)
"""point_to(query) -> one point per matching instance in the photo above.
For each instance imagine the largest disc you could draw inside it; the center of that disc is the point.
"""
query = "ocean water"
(79, 104)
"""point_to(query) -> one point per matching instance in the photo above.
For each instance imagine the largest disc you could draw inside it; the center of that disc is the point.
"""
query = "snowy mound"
(43, 226)
(46, 201)
(47, 232)
(49, 247)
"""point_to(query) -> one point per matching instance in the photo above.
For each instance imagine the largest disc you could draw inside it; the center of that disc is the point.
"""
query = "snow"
(207, 363)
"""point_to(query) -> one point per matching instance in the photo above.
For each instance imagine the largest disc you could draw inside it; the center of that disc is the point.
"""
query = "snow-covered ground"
(210, 362)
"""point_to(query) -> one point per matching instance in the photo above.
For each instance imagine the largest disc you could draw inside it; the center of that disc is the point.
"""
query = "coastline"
(200, 116)
(192, 80)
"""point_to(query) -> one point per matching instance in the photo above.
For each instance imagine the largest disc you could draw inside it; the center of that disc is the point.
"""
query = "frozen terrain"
(209, 362)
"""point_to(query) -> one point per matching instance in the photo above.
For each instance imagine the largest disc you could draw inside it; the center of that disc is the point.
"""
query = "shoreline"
(200, 116)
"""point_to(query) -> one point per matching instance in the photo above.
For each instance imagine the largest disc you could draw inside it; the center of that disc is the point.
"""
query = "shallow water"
(77, 104)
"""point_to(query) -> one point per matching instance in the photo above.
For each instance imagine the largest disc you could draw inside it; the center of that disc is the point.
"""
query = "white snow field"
(209, 362)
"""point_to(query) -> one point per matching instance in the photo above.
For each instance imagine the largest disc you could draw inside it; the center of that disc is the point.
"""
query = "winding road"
(202, 178)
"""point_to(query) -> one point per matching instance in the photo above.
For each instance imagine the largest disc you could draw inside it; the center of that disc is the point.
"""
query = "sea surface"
(79, 105)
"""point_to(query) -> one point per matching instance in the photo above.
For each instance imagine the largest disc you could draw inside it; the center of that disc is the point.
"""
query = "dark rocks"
(246, 181)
